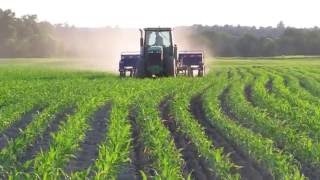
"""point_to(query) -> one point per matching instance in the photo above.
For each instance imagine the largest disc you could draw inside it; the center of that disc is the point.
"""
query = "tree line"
(263, 41)
(27, 37)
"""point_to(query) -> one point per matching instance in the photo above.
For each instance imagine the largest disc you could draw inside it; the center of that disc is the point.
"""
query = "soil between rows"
(269, 85)
(13, 131)
(230, 75)
(139, 160)
(89, 147)
(43, 141)
(249, 168)
(195, 164)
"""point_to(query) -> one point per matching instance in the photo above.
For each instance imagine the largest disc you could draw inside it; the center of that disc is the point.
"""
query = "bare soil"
(42, 142)
(230, 75)
(248, 94)
(139, 159)
(89, 148)
(268, 86)
(286, 82)
(19, 125)
(195, 165)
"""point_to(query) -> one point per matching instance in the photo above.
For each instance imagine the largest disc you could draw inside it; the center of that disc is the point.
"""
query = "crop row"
(237, 121)
(262, 149)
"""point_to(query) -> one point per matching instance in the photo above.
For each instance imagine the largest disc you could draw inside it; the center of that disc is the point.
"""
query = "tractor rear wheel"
(171, 68)
(131, 73)
(140, 71)
(122, 74)
(201, 71)
(190, 72)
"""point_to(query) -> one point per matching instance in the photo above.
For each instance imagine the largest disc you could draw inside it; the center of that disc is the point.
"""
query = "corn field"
(246, 119)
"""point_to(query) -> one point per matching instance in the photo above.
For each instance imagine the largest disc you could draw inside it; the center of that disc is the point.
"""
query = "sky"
(143, 13)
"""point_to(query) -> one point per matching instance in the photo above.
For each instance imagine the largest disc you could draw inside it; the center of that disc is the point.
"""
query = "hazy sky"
(140, 13)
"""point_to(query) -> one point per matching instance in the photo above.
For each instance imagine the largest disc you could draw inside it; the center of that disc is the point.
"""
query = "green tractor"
(159, 57)
(157, 53)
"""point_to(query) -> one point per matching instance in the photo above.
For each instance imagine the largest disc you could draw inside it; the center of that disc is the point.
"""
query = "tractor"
(159, 57)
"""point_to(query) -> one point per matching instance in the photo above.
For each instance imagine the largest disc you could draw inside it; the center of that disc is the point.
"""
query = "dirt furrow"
(269, 85)
(248, 94)
(195, 164)
(249, 168)
(42, 142)
(286, 82)
(89, 148)
(139, 160)
(230, 75)
(13, 131)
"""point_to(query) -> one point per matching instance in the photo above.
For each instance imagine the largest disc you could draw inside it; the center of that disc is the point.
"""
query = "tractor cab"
(157, 52)
(158, 37)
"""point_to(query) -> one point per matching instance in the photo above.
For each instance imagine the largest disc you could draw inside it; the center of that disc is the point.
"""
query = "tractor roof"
(158, 29)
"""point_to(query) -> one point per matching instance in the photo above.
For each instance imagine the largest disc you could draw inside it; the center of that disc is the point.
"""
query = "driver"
(159, 40)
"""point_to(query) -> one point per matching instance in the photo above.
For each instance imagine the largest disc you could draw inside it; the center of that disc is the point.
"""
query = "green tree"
(248, 46)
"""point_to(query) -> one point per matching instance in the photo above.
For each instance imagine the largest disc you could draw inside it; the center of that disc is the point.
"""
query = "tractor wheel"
(140, 72)
(201, 72)
(122, 74)
(171, 68)
(190, 72)
(134, 72)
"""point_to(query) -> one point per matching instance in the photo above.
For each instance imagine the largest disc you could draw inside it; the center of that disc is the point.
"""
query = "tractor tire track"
(195, 164)
(139, 159)
(306, 169)
(250, 169)
(89, 148)
(13, 131)
(42, 142)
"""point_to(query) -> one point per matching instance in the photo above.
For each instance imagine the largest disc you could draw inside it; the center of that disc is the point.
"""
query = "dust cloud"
(100, 49)
(188, 41)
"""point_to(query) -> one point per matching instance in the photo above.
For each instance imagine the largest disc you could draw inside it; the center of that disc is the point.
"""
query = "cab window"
(158, 38)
